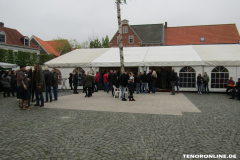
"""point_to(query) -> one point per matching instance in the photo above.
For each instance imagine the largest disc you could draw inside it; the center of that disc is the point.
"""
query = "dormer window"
(202, 39)
(26, 41)
(2, 37)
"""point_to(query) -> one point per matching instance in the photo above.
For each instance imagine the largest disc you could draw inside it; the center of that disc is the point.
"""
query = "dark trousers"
(6, 90)
(149, 87)
(97, 86)
(89, 92)
(55, 93)
(93, 86)
(29, 94)
(13, 88)
(70, 85)
(228, 88)
(33, 91)
(75, 88)
(39, 97)
(48, 91)
(234, 91)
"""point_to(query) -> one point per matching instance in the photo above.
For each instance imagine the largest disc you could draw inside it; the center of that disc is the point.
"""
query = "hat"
(131, 78)
(21, 66)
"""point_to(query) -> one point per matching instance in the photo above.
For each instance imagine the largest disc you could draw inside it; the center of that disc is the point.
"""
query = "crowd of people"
(27, 83)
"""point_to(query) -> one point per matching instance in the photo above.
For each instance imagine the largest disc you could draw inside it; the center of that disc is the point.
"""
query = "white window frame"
(187, 77)
(219, 77)
(28, 41)
(129, 39)
(3, 33)
(125, 30)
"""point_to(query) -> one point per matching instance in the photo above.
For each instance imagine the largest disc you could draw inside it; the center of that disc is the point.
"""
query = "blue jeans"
(122, 91)
(144, 85)
(137, 87)
(41, 98)
(109, 86)
(206, 86)
(199, 87)
(153, 89)
(48, 91)
(105, 86)
(55, 93)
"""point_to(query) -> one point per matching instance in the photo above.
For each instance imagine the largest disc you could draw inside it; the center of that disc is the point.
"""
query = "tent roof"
(7, 65)
(133, 56)
(78, 57)
(215, 55)
(172, 56)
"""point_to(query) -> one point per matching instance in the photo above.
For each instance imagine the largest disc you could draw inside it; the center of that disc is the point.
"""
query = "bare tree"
(120, 33)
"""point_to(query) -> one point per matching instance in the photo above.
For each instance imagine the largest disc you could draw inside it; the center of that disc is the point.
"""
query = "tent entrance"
(162, 77)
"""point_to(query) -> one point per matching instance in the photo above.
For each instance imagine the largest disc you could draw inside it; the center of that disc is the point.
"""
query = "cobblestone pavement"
(49, 133)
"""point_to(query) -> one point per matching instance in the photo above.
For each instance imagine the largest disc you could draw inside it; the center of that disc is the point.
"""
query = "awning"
(7, 65)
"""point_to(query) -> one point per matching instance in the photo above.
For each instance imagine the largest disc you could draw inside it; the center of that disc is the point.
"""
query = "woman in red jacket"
(105, 80)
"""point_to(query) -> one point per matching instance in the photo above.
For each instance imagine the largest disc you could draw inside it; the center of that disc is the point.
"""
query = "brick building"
(139, 35)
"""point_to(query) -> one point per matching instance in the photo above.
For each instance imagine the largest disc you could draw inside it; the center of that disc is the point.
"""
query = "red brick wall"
(125, 38)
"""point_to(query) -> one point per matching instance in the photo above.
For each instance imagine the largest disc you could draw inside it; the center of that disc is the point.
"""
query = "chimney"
(125, 21)
(1, 24)
(165, 25)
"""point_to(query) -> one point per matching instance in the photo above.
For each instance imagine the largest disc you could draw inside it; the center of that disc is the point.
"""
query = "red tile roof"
(214, 34)
(14, 37)
(48, 46)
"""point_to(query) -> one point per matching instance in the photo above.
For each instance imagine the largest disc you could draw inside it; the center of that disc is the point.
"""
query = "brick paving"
(210, 124)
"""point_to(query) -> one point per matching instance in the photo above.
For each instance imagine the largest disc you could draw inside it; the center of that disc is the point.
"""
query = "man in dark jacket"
(123, 83)
(236, 89)
(149, 80)
(40, 85)
(55, 84)
(110, 81)
(48, 81)
(144, 82)
(75, 83)
(172, 79)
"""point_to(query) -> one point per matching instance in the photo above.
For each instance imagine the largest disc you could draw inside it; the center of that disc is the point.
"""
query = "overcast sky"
(79, 19)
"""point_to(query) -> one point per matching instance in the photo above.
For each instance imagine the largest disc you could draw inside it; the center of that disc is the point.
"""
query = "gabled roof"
(149, 33)
(213, 34)
(48, 46)
(13, 37)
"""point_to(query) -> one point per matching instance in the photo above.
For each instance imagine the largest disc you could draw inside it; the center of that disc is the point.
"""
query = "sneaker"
(124, 99)
(41, 106)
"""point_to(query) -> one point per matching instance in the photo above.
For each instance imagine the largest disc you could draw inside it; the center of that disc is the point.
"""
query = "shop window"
(187, 77)
(219, 77)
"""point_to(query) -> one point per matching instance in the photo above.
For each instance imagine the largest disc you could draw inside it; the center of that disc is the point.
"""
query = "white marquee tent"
(203, 58)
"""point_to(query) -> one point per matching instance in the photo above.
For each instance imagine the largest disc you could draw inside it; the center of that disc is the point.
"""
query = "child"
(131, 88)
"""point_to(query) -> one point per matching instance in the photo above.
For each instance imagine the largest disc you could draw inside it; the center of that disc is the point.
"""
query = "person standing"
(29, 77)
(123, 83)
(154, 81)
(177, 83)
(149, 76)
(97, 78)
(144, 82)
(205, 82)
(83, 78)
(137, 81)
(6, 79)
(33, 85)
(172, 79)
(13, 83)
(109, 80)
(75, 83)
(40, 85)
(22, 84)
(70, 80)
(114, 80)
(48, 81)
(105, 81)
(89, 80)
(55, 84)
(131, 88)
(199, 83)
